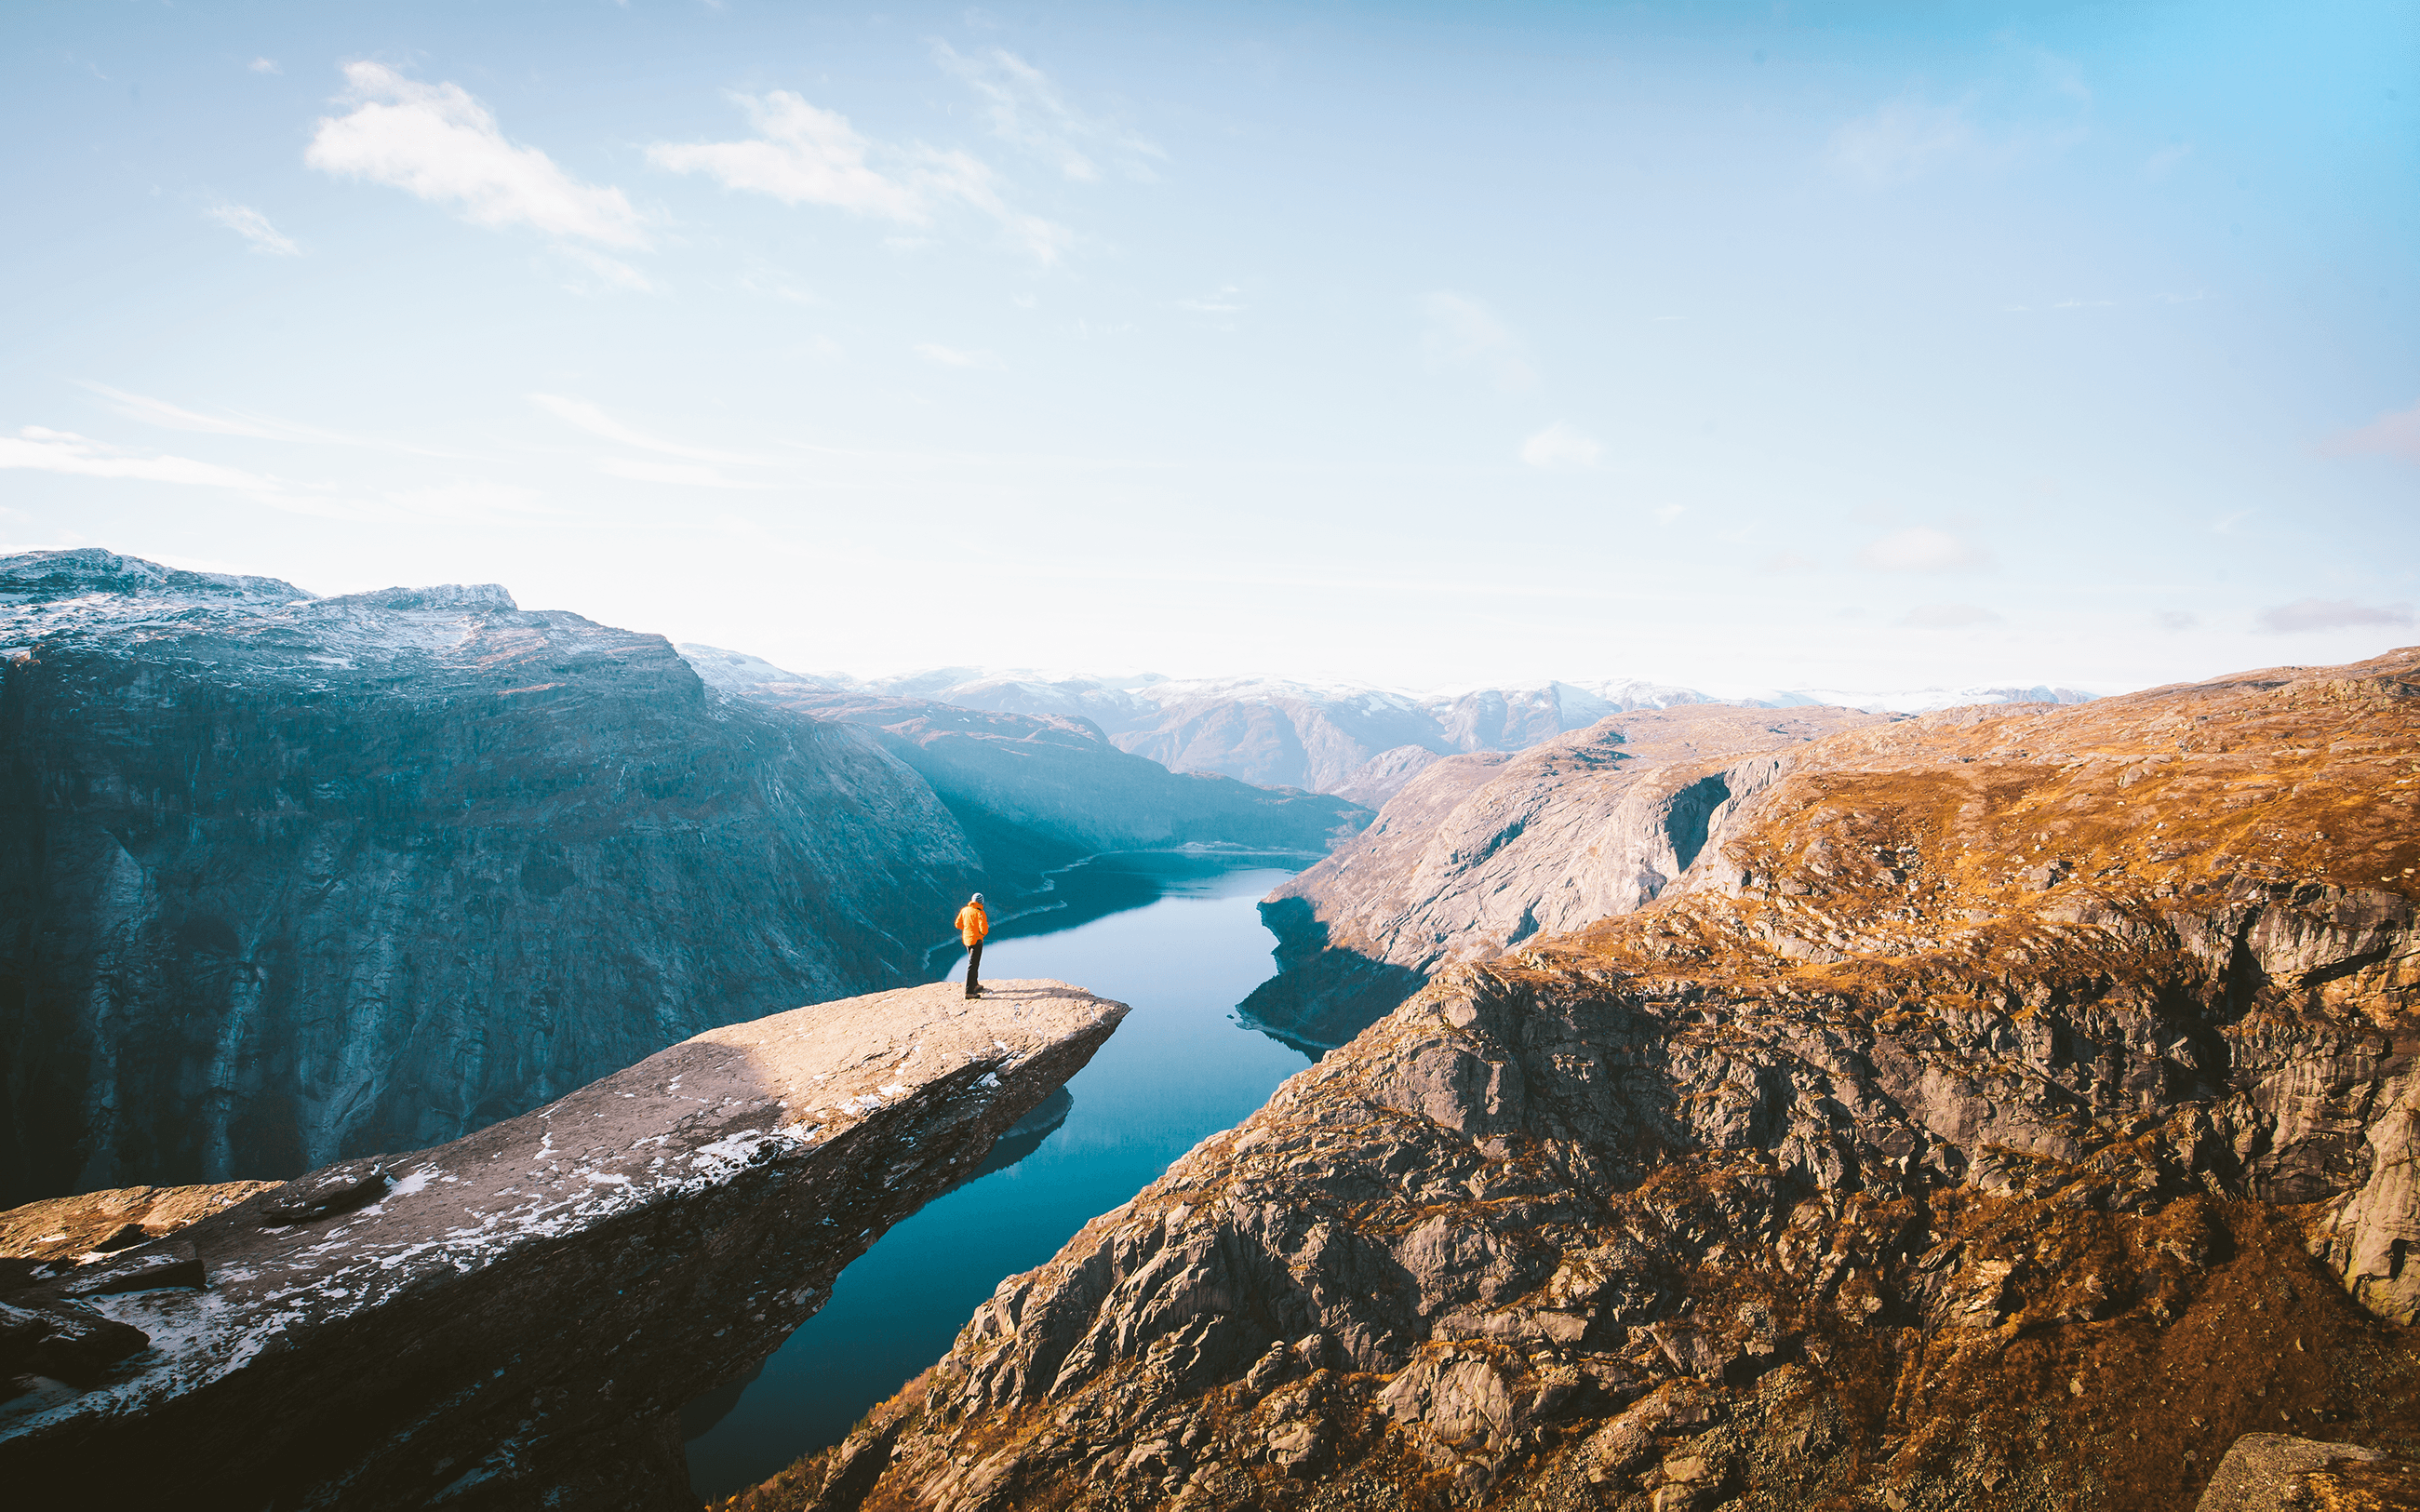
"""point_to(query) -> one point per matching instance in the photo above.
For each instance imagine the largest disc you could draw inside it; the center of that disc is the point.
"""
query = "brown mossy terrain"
(2015, 1107)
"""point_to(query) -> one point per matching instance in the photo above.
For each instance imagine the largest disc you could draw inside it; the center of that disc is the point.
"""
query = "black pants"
(974, 968)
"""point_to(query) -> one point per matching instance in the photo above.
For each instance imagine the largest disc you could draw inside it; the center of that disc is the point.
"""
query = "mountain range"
(1353, 741)
(287, 879)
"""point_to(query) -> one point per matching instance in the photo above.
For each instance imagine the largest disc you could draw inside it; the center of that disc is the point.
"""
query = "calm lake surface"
(1184, 945)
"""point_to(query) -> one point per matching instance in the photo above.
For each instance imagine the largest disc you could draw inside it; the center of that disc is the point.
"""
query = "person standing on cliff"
(973, 924)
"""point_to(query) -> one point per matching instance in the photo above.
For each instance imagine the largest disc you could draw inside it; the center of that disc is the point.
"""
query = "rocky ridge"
(2011, 1109)
(515, 1318)
(288, 879)
(1479, 852)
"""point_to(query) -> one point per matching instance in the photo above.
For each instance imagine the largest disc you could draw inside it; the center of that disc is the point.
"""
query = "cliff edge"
(515, 1318)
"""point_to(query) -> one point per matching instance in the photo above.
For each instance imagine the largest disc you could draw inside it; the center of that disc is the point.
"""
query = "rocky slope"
(286, 878)
(1040, 790)
(43, 1241)
(514, 1320)
(2014, 1112)
(1479, 852)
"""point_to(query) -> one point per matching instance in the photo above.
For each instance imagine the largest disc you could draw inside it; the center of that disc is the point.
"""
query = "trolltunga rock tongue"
(523, 1310)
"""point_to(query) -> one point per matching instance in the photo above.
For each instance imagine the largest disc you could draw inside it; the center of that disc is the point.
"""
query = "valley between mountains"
(2005, 1108)
(2007, 1104)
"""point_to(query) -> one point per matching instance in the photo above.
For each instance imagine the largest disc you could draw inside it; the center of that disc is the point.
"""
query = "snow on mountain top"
(1027, 689)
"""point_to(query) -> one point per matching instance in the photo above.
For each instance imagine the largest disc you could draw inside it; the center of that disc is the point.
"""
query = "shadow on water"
(1322, 994)
(1021, 1138)
(1025, 1136)
(1173, 933)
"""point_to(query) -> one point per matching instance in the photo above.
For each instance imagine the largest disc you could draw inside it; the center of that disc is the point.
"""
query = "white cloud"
(1946, 616)
(60, 451)
(2225, 525)
(954, 357)
(1923, 550)
(2331, 613)
(596, 422)
(265, 65)
(174, 417)
(1027, 109)
(259, 427)
(437, 141)
(1560, 448)
(1665, 514)
(803, 155)
(254, 227)
(2162, 162)
(1900, 140)
(2395, 435)
(1463, 333)
(2035, 104)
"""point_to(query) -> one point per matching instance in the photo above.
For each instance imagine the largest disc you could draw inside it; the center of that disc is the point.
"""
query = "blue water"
(1183, 950)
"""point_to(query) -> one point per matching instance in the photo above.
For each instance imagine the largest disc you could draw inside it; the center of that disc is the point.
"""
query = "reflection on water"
(1176, 935)
(1026, 1135)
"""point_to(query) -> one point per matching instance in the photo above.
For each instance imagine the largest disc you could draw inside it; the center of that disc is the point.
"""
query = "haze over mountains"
(1351, 739)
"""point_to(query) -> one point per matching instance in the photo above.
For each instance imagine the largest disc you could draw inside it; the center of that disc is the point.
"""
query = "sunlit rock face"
(2008, 1109)
(514, 1320)
(286, 878)
(1479, 852)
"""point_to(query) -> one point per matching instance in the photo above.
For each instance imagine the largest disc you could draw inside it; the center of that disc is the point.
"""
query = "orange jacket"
(973, 924)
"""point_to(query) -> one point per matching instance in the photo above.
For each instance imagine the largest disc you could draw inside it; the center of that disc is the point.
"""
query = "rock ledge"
(518, 1313)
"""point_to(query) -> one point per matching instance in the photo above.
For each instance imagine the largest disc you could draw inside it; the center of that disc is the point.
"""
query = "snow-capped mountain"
(1353, 739)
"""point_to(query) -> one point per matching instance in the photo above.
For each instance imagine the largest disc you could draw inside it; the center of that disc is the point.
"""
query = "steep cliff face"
(284, 880)
(514, 1320)
(1479, 852)
(2014, 1112)
(1044, 787)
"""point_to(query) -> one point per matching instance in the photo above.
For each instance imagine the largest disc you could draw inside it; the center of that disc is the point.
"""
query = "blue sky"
(1848, 346)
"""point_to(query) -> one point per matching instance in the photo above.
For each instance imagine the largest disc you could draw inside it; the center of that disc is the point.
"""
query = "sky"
(1743, 347)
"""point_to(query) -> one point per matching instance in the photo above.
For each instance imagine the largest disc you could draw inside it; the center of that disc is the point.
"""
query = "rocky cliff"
(2013, 1111)
(286, 878)
(1482, 851)
(1042, 788)
(514, 1320)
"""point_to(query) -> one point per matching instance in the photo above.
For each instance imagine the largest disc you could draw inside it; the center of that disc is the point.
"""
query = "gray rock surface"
(286, 879)
(513, 1319)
